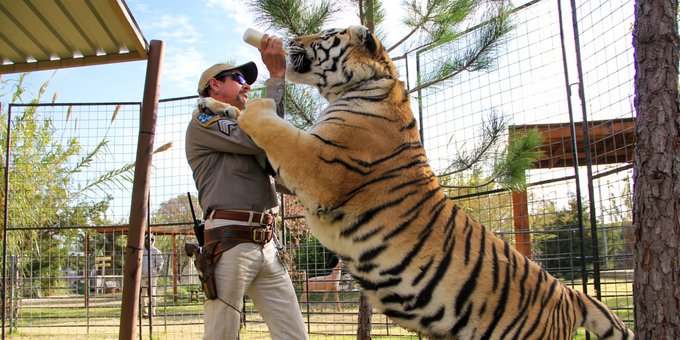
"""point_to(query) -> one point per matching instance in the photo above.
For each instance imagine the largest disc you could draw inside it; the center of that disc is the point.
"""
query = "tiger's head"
(336, 59)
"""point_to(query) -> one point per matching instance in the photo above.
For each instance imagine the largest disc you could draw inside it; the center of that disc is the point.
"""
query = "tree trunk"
(656, 210)
(365, 314)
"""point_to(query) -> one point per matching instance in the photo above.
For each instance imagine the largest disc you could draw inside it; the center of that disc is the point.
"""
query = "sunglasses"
(235, 76)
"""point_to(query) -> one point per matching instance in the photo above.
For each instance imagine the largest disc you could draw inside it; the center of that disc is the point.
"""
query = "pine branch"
(301, 104)
(477, 57)
(509, 171)
(521, 153)
(408, 36)
(294, 17)
(371, 13)
(492, 129)
(301, 112)
(488, 182)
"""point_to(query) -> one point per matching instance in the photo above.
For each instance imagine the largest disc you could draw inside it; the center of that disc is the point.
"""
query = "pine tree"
(656, 204)
(430, 24)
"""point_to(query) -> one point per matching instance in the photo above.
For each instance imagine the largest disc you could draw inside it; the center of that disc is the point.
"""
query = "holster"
(205, 260)
(205, 267)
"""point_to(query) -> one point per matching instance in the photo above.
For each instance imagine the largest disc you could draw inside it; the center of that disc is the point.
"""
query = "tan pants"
(145, 292)
(256, 271)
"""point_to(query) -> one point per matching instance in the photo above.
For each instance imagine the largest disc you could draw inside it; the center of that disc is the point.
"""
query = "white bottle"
(252, 37)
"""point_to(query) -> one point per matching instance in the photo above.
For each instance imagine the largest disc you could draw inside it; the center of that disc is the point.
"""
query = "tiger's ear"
(370, 42)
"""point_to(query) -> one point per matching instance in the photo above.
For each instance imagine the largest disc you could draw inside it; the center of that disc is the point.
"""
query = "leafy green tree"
(557, 239)
(558, 243)
(46, 203)
(311, 257)
(173, 211)
(177, 209)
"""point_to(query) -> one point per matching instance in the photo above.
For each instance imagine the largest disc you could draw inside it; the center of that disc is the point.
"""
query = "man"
(236, 194)
(154, 268)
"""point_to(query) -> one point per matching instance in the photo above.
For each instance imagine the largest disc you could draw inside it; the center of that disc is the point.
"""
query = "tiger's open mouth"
(298, 59)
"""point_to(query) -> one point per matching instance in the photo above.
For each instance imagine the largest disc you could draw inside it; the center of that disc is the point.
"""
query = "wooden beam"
(611, 141)
(140, 193)
(72, 62)
(521, 221)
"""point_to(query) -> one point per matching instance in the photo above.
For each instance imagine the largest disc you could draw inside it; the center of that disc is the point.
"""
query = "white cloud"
(181, 69)
(175, 28)
(236, 10)
(183, 60)
(239, 16)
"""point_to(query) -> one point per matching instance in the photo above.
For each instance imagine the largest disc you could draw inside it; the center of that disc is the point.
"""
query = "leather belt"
(259, 235)
(262, 218)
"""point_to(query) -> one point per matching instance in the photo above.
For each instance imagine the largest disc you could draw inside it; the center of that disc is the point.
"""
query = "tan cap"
(249, 71)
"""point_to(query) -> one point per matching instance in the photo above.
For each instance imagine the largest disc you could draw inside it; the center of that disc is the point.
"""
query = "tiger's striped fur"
(369, 195)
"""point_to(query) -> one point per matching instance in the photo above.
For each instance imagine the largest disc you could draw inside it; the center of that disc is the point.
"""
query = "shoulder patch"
(226, 126)
(206, 119)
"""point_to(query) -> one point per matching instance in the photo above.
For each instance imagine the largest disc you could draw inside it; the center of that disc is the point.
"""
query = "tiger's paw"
(256, 110)
(217, 108)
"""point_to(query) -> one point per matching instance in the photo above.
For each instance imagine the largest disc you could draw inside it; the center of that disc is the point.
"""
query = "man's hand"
(273, 56)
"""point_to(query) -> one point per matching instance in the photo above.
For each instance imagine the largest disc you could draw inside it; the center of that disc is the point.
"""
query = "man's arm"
(276, 90)
(274, 57)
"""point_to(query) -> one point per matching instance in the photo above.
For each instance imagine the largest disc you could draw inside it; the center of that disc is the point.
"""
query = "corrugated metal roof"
(48, 34)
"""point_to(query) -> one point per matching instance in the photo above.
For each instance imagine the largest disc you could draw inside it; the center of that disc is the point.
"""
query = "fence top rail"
(74, 104)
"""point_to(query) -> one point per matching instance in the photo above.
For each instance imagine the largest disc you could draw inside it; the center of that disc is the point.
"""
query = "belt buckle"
(260, 235)
(263, 218)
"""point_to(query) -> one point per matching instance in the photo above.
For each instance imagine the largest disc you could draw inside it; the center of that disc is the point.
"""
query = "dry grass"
(66, 318)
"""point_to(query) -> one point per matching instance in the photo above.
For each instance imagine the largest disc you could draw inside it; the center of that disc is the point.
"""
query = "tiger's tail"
(598, 319)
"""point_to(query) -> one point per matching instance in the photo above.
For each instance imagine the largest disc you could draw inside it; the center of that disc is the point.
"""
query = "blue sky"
(199, 34)
(195, 34)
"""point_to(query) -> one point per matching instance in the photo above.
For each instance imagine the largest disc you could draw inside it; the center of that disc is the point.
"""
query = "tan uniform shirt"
(223, 160)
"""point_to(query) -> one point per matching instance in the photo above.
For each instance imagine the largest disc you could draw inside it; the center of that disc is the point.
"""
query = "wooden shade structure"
(610, 141)
(40, 35)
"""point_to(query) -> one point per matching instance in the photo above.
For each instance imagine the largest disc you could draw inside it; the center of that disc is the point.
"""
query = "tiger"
(370, 196)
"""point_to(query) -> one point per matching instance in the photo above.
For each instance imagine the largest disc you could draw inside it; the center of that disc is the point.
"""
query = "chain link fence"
(566, 70)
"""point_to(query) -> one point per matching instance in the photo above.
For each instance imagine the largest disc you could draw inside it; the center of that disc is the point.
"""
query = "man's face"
(232, 89)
